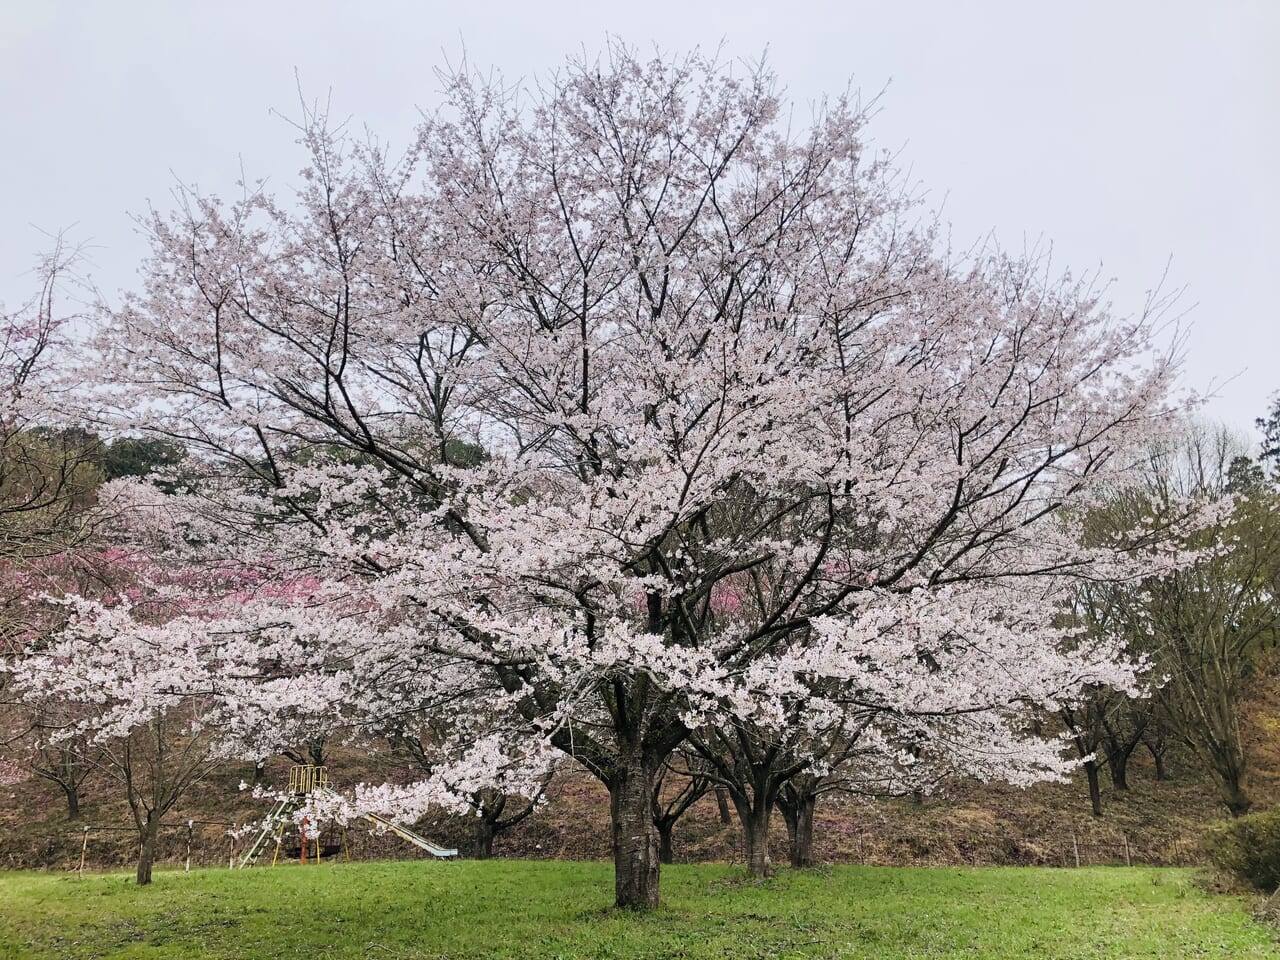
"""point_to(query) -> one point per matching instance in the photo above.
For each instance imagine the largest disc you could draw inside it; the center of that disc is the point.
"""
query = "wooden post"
(1127, 861)
(1075, 847)
(84, 846)
(187, 867)
(279, 840)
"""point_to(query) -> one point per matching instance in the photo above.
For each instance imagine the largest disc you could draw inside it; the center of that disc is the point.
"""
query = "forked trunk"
(796, 805)
(753, 812)
(1119, 753)
(1118, 766)
(1232, 776)
(636, 854)
(797, 811)
(73, 802)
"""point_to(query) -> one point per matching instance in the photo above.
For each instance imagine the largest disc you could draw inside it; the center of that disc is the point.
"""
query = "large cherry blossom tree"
(622, 404)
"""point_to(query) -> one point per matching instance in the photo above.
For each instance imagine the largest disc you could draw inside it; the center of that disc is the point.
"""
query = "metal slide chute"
(405, 833)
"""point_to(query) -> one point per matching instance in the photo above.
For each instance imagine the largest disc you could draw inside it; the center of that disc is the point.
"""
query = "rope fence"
(192, 843)
(209, 843)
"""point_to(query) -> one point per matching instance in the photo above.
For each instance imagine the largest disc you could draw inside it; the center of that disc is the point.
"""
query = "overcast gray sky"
(1125, 133)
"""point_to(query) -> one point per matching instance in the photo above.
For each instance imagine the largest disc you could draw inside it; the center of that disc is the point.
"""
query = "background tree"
(844, 766)
(1106, 726)
(313, 750)
(679, 785)
(1157, 737)
(133, 704)
(1084, 727)
(66, 760)
(490, 810)
(45, 471)
(46, 479)
(784, 765)
(1270, 427)
(1212, 621)
(155, 752)
(50, 509)
(157, 763)
(141, 457)
(1204, 623)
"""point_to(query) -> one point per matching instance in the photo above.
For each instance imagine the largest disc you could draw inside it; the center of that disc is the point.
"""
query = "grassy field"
(543, 910)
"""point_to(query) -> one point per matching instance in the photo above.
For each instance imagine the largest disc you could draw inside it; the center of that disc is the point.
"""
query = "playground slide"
(405, 833)
(287, 805)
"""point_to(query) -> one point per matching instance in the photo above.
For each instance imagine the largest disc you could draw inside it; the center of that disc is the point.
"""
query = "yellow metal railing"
(305, 778)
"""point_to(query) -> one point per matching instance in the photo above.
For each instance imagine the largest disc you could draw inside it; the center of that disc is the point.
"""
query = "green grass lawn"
(506, 908)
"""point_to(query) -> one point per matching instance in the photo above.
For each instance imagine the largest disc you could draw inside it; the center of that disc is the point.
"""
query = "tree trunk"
(147, 849)
(73, 802)
(788, 811)
(482, 839)
(753, 815)
(259, 772)
(1162, 772)
(316, 752)
(1118, 767)
(802, 831)
(1226, 759)
(1233, 795)
(722, 801)
(635, 838)
(1122, 736)
(796, 805)
(756, 830)
(1095, 794)
(665, 852)
(754, 808)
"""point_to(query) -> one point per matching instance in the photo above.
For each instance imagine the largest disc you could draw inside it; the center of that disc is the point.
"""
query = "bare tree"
(156, 764)
(681, 783)
(1203, 623)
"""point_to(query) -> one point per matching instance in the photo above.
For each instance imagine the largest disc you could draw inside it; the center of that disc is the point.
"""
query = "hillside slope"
(1048, 824)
